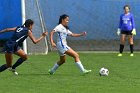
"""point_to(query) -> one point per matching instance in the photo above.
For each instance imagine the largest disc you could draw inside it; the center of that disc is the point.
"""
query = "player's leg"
(75, 55)
(122, 40)
(59, 63)
(130, 39)
(62, 60)
(9, 58)
(22, 58)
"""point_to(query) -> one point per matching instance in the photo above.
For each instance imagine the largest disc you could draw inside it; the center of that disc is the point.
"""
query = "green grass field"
(124, 76)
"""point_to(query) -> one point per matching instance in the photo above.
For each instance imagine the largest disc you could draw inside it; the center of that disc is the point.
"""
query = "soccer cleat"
(86, 71)
(119, 55)
(13, 70)
(50, 72)
(131, 55)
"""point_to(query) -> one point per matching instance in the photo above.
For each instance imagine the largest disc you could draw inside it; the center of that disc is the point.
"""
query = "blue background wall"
(10, 16)
(100, 18)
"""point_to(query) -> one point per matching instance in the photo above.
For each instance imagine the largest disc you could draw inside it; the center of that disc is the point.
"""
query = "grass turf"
(33, 76)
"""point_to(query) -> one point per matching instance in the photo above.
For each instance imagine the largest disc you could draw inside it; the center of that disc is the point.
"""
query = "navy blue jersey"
(19, 35)
(13, 44)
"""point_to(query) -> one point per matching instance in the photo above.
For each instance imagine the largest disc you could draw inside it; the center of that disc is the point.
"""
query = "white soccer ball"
(104, 71)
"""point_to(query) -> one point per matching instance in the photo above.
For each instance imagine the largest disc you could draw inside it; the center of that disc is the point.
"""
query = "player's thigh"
(21, 53)
(123, 38)
(130, 38)
(72, 53)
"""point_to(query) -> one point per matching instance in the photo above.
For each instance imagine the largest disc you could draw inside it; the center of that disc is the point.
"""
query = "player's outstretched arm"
(34, 40)
(8, 30)
(78, 35)
(51, 38)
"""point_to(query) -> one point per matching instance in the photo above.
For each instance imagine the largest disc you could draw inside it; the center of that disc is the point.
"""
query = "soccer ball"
(103, 72)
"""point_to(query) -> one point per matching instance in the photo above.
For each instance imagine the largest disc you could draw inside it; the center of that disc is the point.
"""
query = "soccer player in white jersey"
(62, 31)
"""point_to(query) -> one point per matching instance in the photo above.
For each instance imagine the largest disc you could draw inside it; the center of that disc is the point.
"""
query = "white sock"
(54, 67)
(80, 66)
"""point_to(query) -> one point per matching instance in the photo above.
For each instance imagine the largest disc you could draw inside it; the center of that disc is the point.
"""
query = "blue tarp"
(10, 16)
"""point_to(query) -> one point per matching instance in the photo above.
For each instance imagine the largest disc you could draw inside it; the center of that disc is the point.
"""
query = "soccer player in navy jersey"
(126, 29)
(12, 46)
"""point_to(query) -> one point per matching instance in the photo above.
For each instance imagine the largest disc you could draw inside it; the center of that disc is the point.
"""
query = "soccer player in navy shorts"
(12, 46)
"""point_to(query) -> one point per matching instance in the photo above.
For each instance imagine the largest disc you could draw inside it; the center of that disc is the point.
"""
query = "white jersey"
(61, 44)
(62, 33)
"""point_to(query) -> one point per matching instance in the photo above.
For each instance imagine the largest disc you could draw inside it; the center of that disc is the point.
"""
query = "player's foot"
(119, 55)
(131, 54)
(13, 70)
(50, 72)
(86, 71)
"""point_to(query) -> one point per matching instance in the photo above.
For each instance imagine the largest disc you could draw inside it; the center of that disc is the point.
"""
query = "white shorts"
(62, 49)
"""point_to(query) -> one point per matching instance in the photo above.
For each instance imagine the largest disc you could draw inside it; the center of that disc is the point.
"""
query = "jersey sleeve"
(17, 27)
(120, 21)
(56, 29)
(69, 32)
(133, 22)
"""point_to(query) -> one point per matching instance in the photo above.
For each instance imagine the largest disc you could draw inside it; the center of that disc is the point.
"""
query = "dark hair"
(28, 22)
(126, 6)
(62, 17)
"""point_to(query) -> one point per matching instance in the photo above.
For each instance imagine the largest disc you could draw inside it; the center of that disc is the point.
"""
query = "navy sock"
(19, 62)
(131, 48)
(121, 48)
(3, 67)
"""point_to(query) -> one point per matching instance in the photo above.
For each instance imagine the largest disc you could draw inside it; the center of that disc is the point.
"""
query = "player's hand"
(133, 32)
(84, 33)
(53, 45)
(45, 33)
(118, 31)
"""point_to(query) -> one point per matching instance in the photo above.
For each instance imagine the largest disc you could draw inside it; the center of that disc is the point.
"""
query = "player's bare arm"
(51, 38)
(8, 30)
(78, 35)
(34, 40)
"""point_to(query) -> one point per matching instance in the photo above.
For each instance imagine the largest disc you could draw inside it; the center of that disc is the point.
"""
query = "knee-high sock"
(80, 66)
(55, 67)
(121, 48)
(131, 48)
(3, 67)
(19, 62)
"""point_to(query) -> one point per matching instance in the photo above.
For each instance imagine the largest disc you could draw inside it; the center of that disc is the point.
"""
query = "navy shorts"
(11, 47)
(129, 32)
